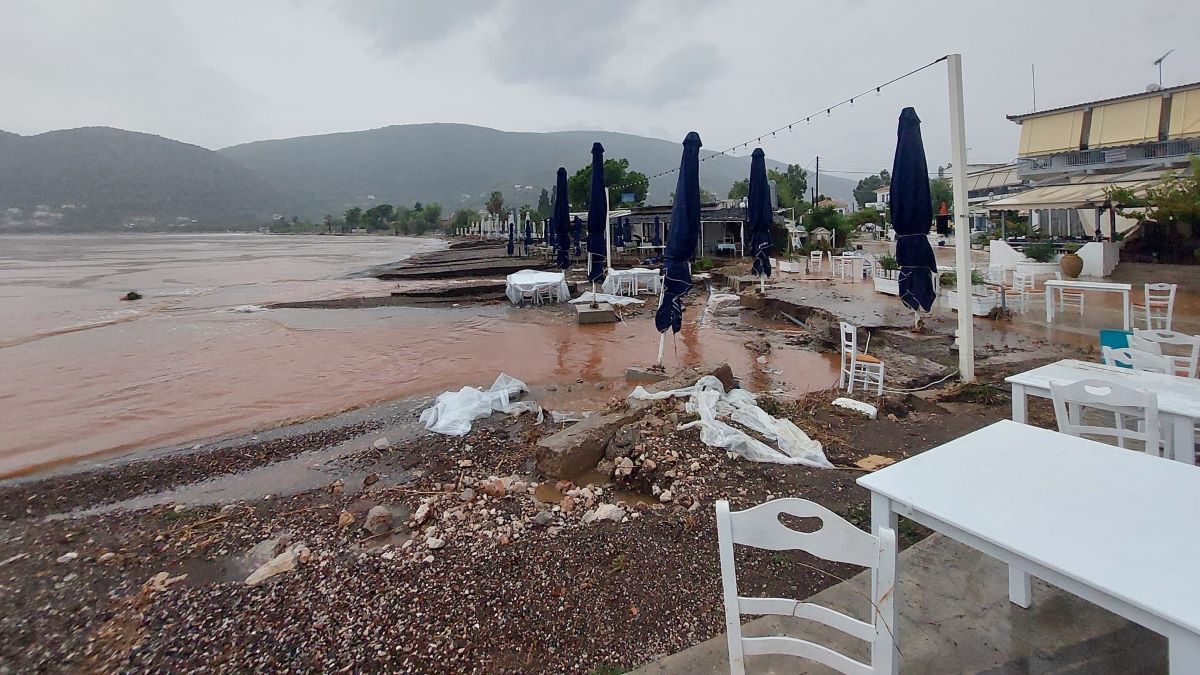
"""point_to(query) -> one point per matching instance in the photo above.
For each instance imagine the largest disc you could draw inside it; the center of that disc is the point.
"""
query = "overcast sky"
(218, 72)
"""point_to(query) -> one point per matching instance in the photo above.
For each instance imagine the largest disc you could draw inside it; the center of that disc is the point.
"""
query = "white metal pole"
(607, 234)
(962, 219)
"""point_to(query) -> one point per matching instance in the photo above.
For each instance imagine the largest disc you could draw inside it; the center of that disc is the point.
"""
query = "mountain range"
(103, 178)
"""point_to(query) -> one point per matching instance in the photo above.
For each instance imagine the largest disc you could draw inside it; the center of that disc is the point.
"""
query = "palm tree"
(495, 203)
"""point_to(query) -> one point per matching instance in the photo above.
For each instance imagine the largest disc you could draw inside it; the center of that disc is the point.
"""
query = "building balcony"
(1105, 159)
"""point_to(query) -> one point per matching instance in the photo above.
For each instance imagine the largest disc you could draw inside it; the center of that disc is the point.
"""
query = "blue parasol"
(912, 213)
(628, 230)
(657, 232)
(510, 237)
(528, 236)
(759, 206)
(619, 235)
(576, 232)
(681, 239)
(597, 218)
(558, 223)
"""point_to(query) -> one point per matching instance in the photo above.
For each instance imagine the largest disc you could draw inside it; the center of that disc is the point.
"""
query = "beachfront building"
(883, 199)
(724, 228)
(830, 203)
(1070, 157)
(987, 183)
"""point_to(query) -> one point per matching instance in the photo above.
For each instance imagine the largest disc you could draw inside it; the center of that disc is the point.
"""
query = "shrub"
(702, 265)
(888, 262)
(1041, 251)
(950, 279)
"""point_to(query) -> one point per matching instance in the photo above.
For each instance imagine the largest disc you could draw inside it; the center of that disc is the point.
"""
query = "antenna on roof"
(1158, 62)
(1033, 76)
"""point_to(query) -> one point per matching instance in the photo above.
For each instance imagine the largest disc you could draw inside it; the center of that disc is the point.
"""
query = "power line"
(807, 119)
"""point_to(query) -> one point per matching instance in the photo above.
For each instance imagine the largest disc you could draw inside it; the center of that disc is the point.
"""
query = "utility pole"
(817, 187)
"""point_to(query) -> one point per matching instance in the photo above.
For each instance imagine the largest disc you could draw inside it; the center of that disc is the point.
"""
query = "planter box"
(1038, 269)
(791, 266)
(887, 282)
(981, 305)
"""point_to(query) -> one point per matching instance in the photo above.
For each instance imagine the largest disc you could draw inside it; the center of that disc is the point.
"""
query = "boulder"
(611, 512)
(284, 562)
(379, 520)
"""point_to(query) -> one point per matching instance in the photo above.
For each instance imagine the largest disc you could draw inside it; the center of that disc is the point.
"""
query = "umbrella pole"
(662, 337)
(962, 219)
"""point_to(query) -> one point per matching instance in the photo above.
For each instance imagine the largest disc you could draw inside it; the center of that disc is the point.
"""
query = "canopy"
(912, 213)
(558, 222)
(681, 240)
(758, 203)
(597, 247)
(1082, 192)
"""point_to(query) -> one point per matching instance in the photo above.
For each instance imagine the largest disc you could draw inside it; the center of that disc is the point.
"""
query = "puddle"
(546, 493)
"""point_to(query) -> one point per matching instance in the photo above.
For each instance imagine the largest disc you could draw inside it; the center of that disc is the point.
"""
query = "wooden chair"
(836, 540)
(1025, 287)
(1158, 307)
(1069, 297)
(814, 262)
(1138, 360)
(1105, 398)
(1157, 342)
(858, 366)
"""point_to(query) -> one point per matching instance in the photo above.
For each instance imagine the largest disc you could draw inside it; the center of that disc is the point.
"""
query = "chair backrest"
(1071, 400)
(1023, 281)
(1153, 341)
(1160, 294)
(849, 339)
(1137, 359)
(836, 540)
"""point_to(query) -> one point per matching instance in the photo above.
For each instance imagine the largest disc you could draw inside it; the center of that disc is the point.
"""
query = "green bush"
(1040, 251)
(702, 265)
(950, 279)
(888, 262)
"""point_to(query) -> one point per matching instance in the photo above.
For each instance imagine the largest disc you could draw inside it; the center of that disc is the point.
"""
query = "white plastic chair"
(545, 294)
(1138, 360)
(814, 262)
(869, 264)
(626, 285)
(1155, 342)
(836, 540)
(1069, 297)
(1123, 403)
(1025, 285)
(858, 366)
(1158, 306)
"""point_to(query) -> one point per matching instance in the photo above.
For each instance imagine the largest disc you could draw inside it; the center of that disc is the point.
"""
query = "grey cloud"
(570, 47)
(682, 73)
(395, 26)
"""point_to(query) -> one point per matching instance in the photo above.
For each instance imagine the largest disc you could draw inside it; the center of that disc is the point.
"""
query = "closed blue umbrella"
(528, 236)
(577, 231)
(681, 240)
(619, 235)
(912, 214)
(758, 202)
(628, 230)
(559, 223)
(547, 233)
(597, 218)
(657, 232)
(511, 235)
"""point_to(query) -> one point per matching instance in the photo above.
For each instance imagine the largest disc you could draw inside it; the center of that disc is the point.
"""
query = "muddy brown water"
(86, 375)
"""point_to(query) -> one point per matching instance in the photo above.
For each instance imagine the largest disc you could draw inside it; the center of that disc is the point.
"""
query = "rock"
(606, 467)
(67, 557)
(379, 520)
(381, 444)
(107, 557)
(464, 463)
(428, 559)
(337, 487)
(434, 543)
(623, 467)
(649, 465)
(422, 513)
(563, 486)
(345, 519)
(543, 518)
(228, 508)
(467, 495)
(695, 505)
(623, 441)
(388, 555)
(161, 581)
(302, 553)
(180, 508)
(695, 466)
(611, 512)
(371, 479)
(284, 562)
(567, 504)
(665, 496)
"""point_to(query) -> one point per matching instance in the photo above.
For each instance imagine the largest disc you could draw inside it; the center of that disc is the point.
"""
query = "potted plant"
(792, 263)
(887, 275)
(982, 302)
(1040, 259)
(1070, 263)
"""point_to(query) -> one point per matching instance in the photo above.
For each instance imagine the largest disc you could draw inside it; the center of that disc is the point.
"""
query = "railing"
(1133, 154)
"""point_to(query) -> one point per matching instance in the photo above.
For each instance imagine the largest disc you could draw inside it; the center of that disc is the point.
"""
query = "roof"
(1079, 106)
(1080, 192)
(882, 189)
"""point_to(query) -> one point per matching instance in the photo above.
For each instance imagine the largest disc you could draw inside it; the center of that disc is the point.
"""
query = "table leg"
(1020, 589)
(1183, 649)
(1049, 293)
(1018, 403)
(1125, 307)
(1183, 439)
(882, 515)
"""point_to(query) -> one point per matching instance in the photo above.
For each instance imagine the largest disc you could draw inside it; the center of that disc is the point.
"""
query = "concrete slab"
(955, 617)
(602, 313)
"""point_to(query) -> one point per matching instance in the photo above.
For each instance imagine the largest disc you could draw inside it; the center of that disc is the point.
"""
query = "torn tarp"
(454, 411)
(709, 400)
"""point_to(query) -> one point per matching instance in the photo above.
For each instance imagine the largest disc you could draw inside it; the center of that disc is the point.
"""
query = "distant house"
(819, 234)
(828, 203)
(883, 199)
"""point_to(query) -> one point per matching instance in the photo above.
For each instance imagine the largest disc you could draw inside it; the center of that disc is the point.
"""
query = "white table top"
(637, 271)
(535, 277)
(1176, 395)
(1088, 285)
(1113, 519)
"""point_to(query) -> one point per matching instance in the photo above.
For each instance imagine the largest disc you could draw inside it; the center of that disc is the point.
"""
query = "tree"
(940, 191)
(790, 185)
(740, 189)
(864, 192)
(378, 217)
(352, 217)
(417, 207)
(464, 218)
(707, 197)
(545, 208)
(863, 216)
(619, 179)
(328, 222)
(495, 203)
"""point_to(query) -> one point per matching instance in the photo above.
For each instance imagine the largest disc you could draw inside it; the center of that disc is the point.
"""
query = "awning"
(1082, 192)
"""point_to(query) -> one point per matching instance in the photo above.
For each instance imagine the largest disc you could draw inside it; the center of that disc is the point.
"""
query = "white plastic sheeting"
(857, 406)
(453, 411)
(526, 282)
(611, 299)
(709, 400)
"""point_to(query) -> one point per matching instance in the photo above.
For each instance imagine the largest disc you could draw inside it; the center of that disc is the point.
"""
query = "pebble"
(371, 479)
(467, 495)
(67, 557)
(381, 444)
(665, 496)
(107, 557)
(345, 519)
(543, 518)
(434, 543)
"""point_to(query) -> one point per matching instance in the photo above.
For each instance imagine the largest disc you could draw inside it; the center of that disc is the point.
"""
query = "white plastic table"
(1123, 289)
(1178, 397)
(1112, 526)
(641, 277)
